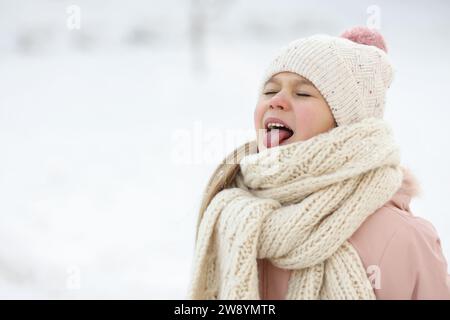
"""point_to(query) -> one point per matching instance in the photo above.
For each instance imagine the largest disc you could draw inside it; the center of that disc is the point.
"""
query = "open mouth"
(277, 132)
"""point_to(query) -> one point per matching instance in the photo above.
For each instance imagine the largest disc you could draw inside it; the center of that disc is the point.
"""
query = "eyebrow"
(296, 81)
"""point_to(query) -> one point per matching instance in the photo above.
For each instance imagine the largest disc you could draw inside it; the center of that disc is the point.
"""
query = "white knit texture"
(297, 205)
(353, 78)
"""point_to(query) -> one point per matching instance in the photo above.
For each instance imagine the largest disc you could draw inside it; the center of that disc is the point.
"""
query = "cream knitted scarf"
(297, 205)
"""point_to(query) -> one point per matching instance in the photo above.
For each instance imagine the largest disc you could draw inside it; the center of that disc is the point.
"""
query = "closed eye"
(298, 94)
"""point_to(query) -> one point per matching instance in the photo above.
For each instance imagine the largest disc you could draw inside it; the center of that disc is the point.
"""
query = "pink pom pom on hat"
(365, 35)
(351, 71)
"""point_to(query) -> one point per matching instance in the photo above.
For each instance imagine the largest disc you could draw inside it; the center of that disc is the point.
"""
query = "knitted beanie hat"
(352, 71)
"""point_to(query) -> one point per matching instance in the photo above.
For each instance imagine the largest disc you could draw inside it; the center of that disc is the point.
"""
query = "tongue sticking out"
(275, 137)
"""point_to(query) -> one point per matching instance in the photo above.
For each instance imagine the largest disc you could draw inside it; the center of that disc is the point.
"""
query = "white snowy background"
(108, 133)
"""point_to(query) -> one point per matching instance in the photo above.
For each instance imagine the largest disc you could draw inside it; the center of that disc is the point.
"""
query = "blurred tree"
(197, 35)
(202, 14)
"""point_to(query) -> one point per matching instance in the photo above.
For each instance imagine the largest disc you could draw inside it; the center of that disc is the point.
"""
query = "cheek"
(309, 120)
(304, 119)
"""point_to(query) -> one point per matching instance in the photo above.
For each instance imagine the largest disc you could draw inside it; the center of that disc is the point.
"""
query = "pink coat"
(401, 252)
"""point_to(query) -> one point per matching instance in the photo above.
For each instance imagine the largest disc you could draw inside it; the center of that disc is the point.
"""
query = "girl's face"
(294, 102)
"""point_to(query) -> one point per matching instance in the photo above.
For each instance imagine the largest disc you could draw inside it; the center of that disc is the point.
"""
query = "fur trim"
(410, 184)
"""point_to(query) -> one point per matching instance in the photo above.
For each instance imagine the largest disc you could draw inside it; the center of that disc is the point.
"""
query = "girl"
(318, 206)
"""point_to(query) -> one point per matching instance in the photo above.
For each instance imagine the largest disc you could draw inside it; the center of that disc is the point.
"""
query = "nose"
(272, 106)
(279, 102)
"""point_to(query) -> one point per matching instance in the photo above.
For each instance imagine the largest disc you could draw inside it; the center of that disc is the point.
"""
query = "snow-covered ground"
(98, 191)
